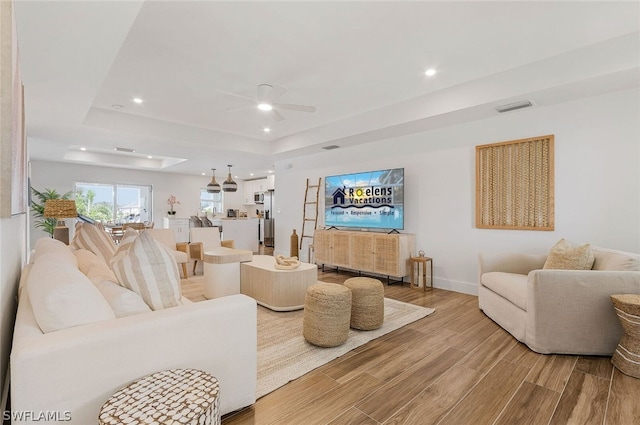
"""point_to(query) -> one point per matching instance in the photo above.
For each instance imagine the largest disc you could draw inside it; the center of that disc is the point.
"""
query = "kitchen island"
(243, 231)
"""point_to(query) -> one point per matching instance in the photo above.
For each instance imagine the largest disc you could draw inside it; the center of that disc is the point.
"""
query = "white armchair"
(205, 239)
(167, 237)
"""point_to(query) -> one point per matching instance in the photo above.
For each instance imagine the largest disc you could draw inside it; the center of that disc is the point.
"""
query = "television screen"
(372, 199)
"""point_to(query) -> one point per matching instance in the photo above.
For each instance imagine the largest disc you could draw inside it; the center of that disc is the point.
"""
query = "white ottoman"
(278, 290)
(222, 271)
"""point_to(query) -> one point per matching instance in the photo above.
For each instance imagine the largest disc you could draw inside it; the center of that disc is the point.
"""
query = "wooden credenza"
(378, 253)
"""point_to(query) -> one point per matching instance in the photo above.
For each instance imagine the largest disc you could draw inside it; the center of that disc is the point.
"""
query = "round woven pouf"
(367, 303)
(327, 313)
(177, 396)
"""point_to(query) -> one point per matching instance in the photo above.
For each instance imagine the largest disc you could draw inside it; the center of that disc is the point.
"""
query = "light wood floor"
(454, 367)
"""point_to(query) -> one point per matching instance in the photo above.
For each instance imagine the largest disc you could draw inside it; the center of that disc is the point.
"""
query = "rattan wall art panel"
(515, 184)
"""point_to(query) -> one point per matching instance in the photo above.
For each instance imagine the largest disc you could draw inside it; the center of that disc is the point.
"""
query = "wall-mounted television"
(371, 199)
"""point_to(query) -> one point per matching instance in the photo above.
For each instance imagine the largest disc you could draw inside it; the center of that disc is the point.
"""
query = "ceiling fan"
(265, 101)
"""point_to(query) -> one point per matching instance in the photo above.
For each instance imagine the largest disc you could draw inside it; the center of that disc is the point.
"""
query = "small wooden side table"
(178, 396)
(627, 355)
(416, 263)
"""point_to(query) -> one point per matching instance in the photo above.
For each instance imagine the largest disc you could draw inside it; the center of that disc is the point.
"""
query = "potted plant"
(172, 201)
(47, 224)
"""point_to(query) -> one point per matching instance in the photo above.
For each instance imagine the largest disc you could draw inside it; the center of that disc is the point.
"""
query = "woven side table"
(178, 396)
(627, 355)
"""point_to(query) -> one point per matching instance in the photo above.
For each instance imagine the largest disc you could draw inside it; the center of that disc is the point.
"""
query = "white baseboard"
(456, 286)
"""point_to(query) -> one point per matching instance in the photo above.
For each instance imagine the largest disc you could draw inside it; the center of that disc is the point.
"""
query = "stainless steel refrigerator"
(269, 221)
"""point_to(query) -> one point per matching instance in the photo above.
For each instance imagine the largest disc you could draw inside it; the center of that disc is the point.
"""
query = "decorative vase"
(294, 244)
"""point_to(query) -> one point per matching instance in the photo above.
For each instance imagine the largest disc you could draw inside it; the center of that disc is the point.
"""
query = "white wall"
(13, 249)
(186, 188)
(597, 182)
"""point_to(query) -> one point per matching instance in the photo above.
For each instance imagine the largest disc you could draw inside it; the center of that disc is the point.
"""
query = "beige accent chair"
(180, 251)
(558, 311)
(205, 239)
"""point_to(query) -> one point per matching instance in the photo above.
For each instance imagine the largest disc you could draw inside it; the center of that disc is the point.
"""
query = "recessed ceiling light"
(137, 100)
(266, 130)
(430, 72)
(265, 106)
(251, 174)
(83, 149)
(149, 156)
(270, 171)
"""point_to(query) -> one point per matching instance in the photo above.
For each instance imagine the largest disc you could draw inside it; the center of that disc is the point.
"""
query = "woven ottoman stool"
(367, 303)
(177, 396)
(327, 313)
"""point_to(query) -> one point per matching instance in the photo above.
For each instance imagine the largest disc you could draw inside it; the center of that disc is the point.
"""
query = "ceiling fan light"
(213, 186)
(265, 106)
(229, 185)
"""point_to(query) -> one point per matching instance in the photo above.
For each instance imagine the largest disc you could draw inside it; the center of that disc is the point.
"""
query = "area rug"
(284, 355)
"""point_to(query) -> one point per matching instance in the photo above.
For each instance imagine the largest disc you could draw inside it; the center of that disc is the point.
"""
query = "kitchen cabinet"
(248, 192)
(252, 186)
(271, 182)
(179, 225)
(378, 253)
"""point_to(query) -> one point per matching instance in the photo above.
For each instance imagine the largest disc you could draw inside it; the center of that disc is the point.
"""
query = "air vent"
(513, 106)
(330, 147)
(124, 150)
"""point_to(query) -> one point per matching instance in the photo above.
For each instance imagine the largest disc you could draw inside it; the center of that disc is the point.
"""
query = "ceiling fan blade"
(239, 96)
(238, 108)
(293, 107)
(277, 116)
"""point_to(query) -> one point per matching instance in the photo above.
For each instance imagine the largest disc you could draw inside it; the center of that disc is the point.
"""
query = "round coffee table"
(177, 396)
(627, 355)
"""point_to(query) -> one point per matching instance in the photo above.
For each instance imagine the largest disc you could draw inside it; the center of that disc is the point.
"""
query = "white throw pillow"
(91, 238)
(86, 260)
(63, 297)
(149, 269)
(123, 301)
(50, 246)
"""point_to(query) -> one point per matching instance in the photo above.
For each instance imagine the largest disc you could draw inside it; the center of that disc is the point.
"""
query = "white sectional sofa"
(558, 311)
(87, 353)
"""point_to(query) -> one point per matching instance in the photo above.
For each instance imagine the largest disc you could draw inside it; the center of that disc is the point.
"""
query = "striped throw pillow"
(91, 238)
(125, 243)
(150, 270)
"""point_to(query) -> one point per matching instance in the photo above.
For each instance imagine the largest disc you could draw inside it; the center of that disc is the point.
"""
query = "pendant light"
(213, 186)
(229, 185)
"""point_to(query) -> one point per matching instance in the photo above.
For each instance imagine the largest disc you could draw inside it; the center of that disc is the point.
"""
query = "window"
(211, 203)
(114, 203)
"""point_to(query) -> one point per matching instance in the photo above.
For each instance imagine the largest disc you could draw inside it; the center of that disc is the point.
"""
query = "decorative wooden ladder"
(307, 228)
